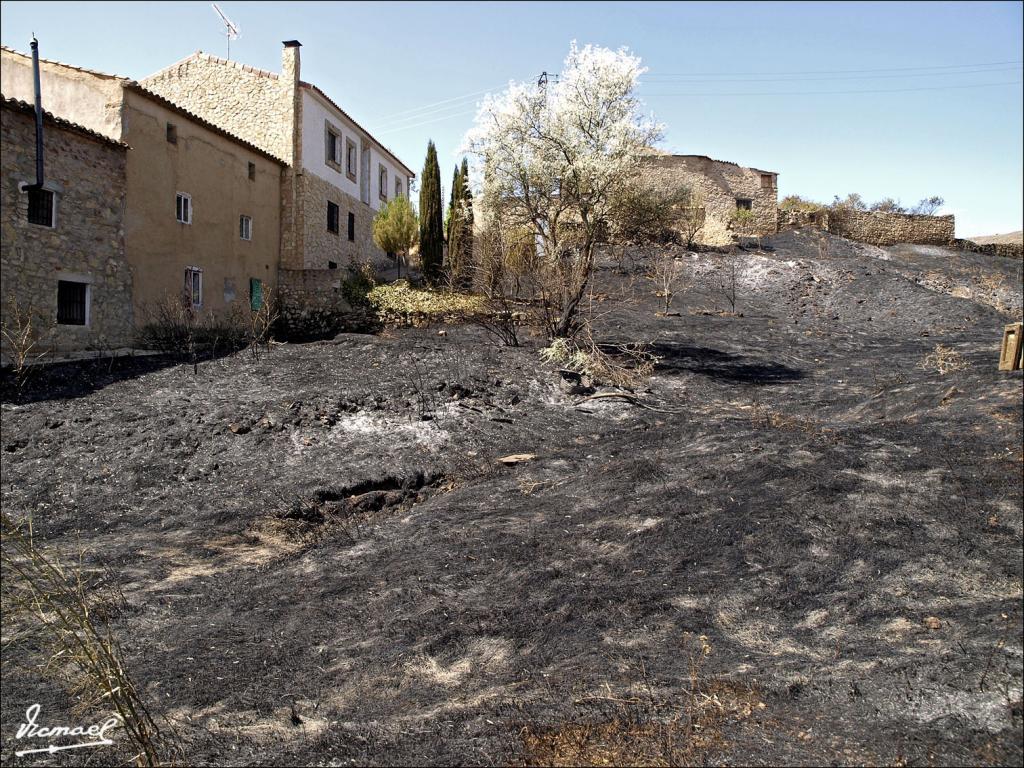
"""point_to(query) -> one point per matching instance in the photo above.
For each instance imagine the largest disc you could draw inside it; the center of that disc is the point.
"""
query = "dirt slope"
(1009, 237)
(839, 523)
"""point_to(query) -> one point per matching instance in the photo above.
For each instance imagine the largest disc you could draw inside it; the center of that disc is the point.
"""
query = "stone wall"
(1005, 250)
(881, 228)
(875, 227)
(321, 245)
(312, 302)
(719, 184)
(87, 174)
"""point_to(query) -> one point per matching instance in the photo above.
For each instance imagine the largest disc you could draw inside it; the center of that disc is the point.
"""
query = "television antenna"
(230, 28)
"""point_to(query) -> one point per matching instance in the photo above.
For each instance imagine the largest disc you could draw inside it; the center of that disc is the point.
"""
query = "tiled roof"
(60, 122)
(62, 64)
(330, 101)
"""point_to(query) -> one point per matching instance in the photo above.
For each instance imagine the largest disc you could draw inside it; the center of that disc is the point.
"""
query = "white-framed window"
(183, 207)
(194, 286)
(398, 187)
(245, 227)
(73, 298)
(383, 182)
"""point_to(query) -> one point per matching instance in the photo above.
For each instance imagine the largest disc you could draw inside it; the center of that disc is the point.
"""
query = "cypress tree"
(456, 262)
(431, 217)
(467, 216)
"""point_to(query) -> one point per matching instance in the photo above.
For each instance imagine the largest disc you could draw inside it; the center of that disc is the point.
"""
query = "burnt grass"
(324, 563)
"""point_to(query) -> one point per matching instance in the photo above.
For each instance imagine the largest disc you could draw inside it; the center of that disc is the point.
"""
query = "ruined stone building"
(338, 174)
(722, 188)
(62, 254)
(199, 208)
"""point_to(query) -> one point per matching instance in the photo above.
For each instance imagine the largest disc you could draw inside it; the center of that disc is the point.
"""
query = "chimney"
(290, 61)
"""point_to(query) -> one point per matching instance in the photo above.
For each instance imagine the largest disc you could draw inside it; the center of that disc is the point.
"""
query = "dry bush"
(727, 283)
(944, 360)
(617, 365)
(171, 325)
(57, 611)
(666, 272)
(505, 260)
(175, 327)
(505, 267)
(25, 341)
(242, 327)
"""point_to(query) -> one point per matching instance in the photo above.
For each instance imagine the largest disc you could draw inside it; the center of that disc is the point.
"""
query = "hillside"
(1010, 237)
(798, 542)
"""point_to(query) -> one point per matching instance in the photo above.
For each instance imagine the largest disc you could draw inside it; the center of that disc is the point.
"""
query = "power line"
(830, 71)
(428, 113)
(824, 93)
(396, 125)
(442, 101)
(809, 79)
(426, 122)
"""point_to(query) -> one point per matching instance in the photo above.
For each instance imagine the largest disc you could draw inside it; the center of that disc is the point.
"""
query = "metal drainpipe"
(39, 114)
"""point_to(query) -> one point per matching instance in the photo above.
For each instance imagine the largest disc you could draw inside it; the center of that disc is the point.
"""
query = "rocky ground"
(803, 545)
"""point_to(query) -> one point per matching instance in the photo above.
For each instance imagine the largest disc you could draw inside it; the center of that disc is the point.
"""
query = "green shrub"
(362, 278)
(400, 302)
(797, 203)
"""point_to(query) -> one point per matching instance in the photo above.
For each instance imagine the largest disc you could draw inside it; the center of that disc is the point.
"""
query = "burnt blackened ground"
(328, 529)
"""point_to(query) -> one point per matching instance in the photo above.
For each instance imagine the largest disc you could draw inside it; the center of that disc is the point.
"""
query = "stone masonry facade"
(250, 103)
(86, 173)
(323, 246)
(722, 187)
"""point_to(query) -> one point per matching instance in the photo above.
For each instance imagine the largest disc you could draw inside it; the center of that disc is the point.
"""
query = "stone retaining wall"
(313, 303)
(881, 228)
(1006, 250)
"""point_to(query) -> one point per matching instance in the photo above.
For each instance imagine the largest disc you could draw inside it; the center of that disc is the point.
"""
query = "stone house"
(338, 174)
(62, 251)
(201, 207)
(723, 189)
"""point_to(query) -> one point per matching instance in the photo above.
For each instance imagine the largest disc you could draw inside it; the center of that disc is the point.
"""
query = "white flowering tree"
(549, 157)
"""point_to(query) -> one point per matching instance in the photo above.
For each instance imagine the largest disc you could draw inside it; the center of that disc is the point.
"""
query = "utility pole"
(542, 83)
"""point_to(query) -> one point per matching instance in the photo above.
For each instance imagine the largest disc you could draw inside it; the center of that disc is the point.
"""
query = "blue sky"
(886, 99)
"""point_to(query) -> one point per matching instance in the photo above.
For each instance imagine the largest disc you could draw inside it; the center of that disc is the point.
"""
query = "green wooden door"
(255, 294)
